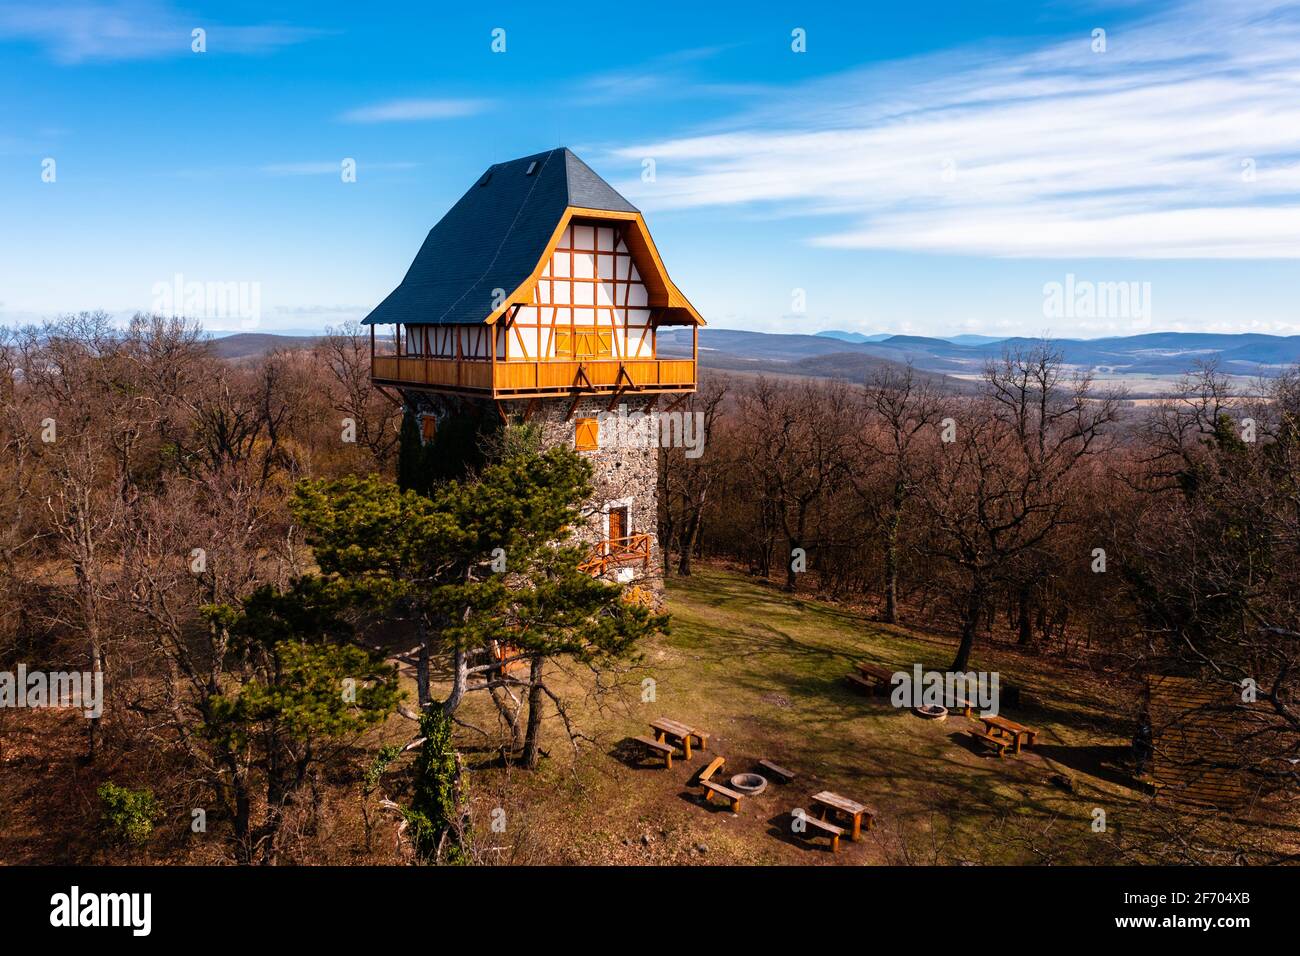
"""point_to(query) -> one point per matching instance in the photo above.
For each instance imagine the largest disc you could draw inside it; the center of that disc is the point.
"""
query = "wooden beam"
(383, 390)
(620, 392)
(683, 397)
(582, 374)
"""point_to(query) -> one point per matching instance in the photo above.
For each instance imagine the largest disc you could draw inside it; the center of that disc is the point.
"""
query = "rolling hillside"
(1146, 364)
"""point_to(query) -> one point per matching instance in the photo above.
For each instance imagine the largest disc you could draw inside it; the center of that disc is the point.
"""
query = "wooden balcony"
(617, 552)
(514, 379)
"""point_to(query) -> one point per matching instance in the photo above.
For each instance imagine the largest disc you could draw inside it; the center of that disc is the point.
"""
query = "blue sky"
(923, 168)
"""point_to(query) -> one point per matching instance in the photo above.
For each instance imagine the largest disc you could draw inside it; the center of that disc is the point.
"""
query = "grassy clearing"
(764, 672)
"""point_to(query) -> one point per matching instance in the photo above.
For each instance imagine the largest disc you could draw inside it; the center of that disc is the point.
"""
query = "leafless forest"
(145, 480)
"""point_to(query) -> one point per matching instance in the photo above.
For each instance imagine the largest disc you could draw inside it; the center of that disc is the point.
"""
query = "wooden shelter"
(1194, 727)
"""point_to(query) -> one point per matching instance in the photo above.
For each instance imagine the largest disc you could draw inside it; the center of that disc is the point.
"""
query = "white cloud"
(415, 109)
(76, 32)
(668, 77)
(1057, 152)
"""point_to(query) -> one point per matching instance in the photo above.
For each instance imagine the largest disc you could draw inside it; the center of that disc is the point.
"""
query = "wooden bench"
(657, 748)
(664, 727)
(710, 788)
(826, 827)
(785, 776)
(714, 766)
(961, 703)
(828, 802)
(1000, 744)
(705, 780)
(862, 683)
(1018, 734)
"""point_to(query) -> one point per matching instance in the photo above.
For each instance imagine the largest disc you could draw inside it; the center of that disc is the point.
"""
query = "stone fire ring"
(750, 784)
(931, 713)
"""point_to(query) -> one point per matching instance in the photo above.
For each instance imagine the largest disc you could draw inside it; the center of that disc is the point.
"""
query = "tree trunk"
(460, 664)
(1026, 624)
(508, 706)
(789, 566)
(243, 818)
(533, 736)
(422, 666)
(970, 624)
(891, 556)
(689, 543)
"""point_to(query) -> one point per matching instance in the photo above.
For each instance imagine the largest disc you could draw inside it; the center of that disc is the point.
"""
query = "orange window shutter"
(428, 427)
(606, 343)
(587, 435)
(563, 344)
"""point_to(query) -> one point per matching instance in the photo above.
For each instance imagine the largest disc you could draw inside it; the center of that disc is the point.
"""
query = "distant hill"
(860, 337)
(1146, 360)
(249, 344)
(855, 336)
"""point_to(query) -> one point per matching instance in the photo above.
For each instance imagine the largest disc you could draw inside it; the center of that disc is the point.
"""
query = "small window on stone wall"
(428, 428)
(587, 434)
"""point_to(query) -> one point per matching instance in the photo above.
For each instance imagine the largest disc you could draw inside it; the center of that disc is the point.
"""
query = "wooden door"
(617, 523)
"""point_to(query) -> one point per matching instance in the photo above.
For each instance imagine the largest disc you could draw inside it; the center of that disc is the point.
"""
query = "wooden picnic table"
(664, 727)
(828, 801)
(1018, 732)
(875, 671)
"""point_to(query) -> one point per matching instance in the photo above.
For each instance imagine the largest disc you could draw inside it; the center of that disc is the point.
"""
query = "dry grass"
(764, 673)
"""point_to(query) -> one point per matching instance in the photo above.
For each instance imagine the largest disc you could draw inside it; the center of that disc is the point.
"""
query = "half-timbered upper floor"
(568, 298)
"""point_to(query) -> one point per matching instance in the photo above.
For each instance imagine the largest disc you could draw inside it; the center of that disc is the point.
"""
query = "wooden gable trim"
(663, 293)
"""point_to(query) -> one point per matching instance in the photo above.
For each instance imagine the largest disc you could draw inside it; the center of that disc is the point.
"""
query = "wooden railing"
(616, 552)
(505, 379)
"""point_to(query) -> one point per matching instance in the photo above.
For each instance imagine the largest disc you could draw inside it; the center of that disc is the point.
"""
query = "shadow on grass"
(781, 828)
(966, 742)
(1102, 761)
(698, 801)
(635, 756)
(837, 634)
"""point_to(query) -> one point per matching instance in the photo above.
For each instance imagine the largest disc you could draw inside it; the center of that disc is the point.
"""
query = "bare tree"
(345, 351)
(902, 409)
(685, 484)
(1003, 484)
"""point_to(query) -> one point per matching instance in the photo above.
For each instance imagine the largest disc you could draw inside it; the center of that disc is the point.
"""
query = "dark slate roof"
(493, 238)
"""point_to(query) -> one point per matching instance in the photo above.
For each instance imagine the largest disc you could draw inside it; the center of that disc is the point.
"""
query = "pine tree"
(410, 456)
(484, 569)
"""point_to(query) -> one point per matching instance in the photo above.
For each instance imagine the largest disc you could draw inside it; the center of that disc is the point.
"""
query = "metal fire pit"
(931, 713)
(750, 784)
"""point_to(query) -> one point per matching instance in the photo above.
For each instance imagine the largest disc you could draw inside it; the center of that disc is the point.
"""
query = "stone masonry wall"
(626, 471)
(626, 464)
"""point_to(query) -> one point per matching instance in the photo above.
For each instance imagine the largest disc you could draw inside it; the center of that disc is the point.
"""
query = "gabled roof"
(496, 237)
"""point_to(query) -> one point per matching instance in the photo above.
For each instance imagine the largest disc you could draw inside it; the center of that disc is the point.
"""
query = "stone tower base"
(625, 476)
